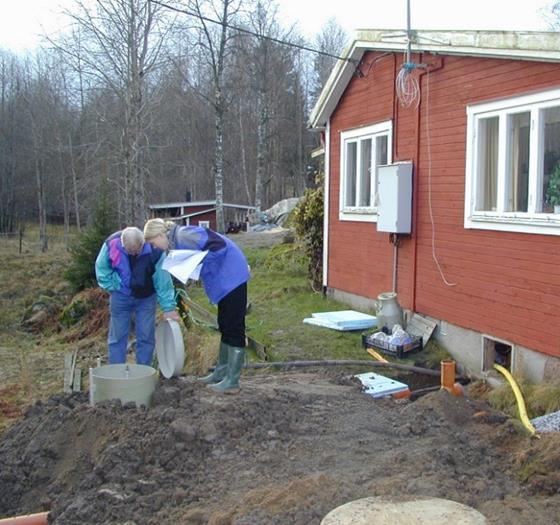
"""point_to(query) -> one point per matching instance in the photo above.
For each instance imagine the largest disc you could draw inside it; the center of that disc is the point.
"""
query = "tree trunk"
(244, 174)
(74, 183)
(41, 204)
(219, 162)
(64, 196)
(262, 132)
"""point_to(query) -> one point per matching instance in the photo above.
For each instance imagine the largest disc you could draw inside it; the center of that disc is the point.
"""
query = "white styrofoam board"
(345, 316)
(345, 319)
(323, 323)
(377, 385)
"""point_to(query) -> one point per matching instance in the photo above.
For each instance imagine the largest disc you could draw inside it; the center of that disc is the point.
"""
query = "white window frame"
(362, 213)
(204, 224)
(501, 220)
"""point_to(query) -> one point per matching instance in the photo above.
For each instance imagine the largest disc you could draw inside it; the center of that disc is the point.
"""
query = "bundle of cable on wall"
(407, 87)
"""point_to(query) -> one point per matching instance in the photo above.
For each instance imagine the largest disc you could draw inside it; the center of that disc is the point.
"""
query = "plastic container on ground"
(389, 312)
(399, 351)
(127, 382)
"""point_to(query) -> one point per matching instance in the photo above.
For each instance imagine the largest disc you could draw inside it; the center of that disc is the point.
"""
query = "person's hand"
(172, 314)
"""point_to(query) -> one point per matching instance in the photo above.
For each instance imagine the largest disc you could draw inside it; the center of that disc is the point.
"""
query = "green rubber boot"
(230, 384)
(220, 369)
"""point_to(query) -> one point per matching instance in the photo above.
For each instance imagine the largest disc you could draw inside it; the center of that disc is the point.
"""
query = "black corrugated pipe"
(345, 362)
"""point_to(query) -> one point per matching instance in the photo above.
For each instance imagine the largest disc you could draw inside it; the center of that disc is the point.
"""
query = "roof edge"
(520, 45)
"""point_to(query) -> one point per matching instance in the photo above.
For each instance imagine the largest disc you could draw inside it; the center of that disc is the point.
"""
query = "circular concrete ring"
(170, 348)
(386, 511)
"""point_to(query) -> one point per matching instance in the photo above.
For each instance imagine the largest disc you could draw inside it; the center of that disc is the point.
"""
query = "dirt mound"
(86, 315)
(288, 449)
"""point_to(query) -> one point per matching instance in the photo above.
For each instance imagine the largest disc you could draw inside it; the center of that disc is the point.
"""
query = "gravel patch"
(547, 423)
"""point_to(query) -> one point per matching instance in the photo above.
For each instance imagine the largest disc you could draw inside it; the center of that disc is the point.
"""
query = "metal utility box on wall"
(394, 198)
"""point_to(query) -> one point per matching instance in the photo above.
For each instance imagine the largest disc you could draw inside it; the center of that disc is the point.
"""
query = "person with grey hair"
(133, 240)
(130, 270)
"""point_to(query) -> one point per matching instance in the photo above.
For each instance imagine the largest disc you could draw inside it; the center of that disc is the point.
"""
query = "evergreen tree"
(308, 221)
(81, 271)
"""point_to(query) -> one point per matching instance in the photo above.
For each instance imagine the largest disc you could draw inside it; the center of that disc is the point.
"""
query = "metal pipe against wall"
(395, 260)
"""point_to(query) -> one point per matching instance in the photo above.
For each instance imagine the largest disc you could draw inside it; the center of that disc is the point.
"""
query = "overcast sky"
(21, 21)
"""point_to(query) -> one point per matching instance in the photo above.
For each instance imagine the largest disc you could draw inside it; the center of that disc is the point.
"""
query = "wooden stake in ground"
(69, 370)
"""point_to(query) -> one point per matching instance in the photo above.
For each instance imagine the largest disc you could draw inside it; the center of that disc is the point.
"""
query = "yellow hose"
(376, 355)
(519, 396)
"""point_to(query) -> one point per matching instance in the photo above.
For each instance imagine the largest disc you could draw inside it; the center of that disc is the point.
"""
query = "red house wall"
(208, 216)
(505, 284)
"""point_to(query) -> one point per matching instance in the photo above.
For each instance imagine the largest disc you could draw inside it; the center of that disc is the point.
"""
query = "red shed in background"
(202, 213)
(477, 116)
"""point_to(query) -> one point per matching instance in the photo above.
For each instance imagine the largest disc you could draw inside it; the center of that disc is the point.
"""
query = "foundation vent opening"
(496, 352)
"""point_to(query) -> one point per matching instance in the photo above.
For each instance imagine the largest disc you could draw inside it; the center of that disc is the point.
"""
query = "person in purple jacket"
(224, 275)
(130, 270)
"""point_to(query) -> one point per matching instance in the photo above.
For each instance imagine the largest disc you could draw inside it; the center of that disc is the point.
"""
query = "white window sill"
(543, 224)
(358, 214)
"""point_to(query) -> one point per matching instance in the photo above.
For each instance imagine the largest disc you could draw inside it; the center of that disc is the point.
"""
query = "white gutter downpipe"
(326, 205)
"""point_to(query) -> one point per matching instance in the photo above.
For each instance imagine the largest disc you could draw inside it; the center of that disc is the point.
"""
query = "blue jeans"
(122, 308)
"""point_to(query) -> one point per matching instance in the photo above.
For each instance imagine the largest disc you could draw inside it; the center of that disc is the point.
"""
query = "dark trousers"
(231, 316)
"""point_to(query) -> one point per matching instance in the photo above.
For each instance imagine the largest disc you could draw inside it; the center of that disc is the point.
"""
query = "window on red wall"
(363, 150)
(513, 164)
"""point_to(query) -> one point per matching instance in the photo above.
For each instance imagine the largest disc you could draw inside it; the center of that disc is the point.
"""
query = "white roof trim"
(166, 205)
(520, 45)
(189, 215)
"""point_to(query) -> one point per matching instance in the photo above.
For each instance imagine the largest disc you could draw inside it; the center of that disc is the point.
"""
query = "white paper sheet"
(184, 264)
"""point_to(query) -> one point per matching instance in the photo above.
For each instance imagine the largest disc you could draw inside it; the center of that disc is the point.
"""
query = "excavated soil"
(287, 450)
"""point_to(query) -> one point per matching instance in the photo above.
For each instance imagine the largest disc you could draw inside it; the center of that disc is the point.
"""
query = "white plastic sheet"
(343, 320)
(184, 264)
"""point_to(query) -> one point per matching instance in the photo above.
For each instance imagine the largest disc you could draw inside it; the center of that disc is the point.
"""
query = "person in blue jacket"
(224, 274)
(130, 270)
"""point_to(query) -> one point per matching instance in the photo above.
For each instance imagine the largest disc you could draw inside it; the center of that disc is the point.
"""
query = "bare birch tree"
(218, 45)
(10, 86)
(331, 39)
(120, 44)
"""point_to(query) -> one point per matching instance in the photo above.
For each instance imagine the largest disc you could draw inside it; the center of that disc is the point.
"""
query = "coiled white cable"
(407, 88)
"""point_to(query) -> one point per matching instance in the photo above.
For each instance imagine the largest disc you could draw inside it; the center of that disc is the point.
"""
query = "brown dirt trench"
(287, 449)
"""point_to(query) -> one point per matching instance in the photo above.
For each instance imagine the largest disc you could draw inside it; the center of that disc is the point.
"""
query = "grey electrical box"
(394, 198)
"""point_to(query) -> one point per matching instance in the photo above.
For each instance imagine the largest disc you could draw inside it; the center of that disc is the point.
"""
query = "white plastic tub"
(127, 382)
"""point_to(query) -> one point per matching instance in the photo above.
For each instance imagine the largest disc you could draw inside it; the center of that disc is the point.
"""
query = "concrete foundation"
(467, 347)
(357, 302)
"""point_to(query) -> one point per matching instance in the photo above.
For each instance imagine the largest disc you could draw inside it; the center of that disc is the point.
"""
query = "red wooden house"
(483, 138)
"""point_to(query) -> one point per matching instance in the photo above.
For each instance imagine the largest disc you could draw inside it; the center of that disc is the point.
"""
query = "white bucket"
(127, 382)
(170, 348)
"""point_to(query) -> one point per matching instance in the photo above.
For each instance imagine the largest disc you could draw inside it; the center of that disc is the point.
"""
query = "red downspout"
(435, 64)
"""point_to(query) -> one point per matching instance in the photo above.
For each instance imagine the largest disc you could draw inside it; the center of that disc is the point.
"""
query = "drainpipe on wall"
(435, 64)
(326, 207)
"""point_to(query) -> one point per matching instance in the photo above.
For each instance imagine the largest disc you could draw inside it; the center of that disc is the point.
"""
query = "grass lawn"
(281, 297)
